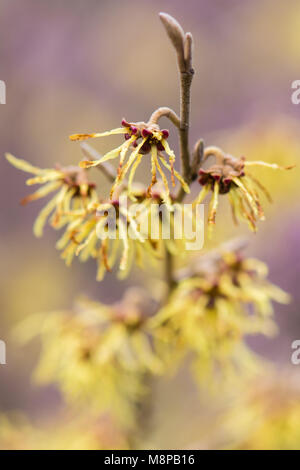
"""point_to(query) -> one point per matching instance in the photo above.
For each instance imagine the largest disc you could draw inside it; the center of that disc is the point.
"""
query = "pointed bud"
(176, 35)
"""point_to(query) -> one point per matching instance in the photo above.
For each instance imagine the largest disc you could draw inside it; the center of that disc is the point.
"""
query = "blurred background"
(83, 65)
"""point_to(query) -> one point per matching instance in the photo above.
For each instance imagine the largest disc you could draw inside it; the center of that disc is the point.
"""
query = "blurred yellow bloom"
(73, 191)
(65, 433)
(153, 141)
(229, 176)
(97, 354)
(266, 415)
(210, 313)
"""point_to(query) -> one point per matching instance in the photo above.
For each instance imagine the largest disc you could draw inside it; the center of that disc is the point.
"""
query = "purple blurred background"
(82, 65)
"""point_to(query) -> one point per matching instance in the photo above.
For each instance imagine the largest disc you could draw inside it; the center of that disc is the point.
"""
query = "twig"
(165, 112)
(183, 44)
(197, 159)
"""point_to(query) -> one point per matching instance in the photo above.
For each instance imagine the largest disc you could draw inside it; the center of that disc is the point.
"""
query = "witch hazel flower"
(73, 191)
(229, 175)
(140, 139)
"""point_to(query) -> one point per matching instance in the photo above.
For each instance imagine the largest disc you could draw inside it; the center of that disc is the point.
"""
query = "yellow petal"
(269, 165)
(120, 130)
(203, 193)
(178, 175)
(22, 164)
(167, 148)
(43, 216)
(41, 192)
(45, 176)
(132, 173)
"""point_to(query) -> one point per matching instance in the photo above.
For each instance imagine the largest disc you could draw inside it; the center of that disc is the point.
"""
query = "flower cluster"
(17, 432)
(73, 191)
(224, 299)
(266, 414)
(152, 140)
(230, 175)
(102, 354)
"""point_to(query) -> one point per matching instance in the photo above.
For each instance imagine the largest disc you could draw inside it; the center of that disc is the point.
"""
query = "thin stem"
(169, 270)
(165, 112)
(198, 157)
(185, 105)
(183, 44)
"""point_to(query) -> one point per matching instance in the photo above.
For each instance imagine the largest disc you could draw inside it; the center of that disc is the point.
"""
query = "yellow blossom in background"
(224, 298)
(266, 415)
(97, 354)
(107, 363)
(65, 433)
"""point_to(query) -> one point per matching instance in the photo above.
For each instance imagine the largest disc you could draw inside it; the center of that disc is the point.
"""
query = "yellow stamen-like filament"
(126, 167)
(203, 193)
(177, 175)
(261, 187)
(120, 130)
(132, 174)
(246, 193)
(213, 208)
(45, 176)
(23, 165)
(153, 168)
(163, 176)
(269, 165)
(124, 151)
(43, 216)
(41, 192)
(108, 156)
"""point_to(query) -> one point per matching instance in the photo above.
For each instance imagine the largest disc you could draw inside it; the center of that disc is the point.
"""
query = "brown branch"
(165, 112)
(183, 44)
(197, 159)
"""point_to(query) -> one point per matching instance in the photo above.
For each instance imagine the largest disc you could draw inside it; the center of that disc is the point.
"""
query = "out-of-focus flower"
(65, 433)
(73, 191)
(97, 353)
(229, 176)
(153, 141)
(211, 311)
(266, 414)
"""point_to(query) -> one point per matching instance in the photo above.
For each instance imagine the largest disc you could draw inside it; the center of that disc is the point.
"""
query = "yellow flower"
(107, 232)
(153, 141)
(230, 175)
(266, 415)
(73, 191)
(62, 432)
(211, 311)
(97, 353)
